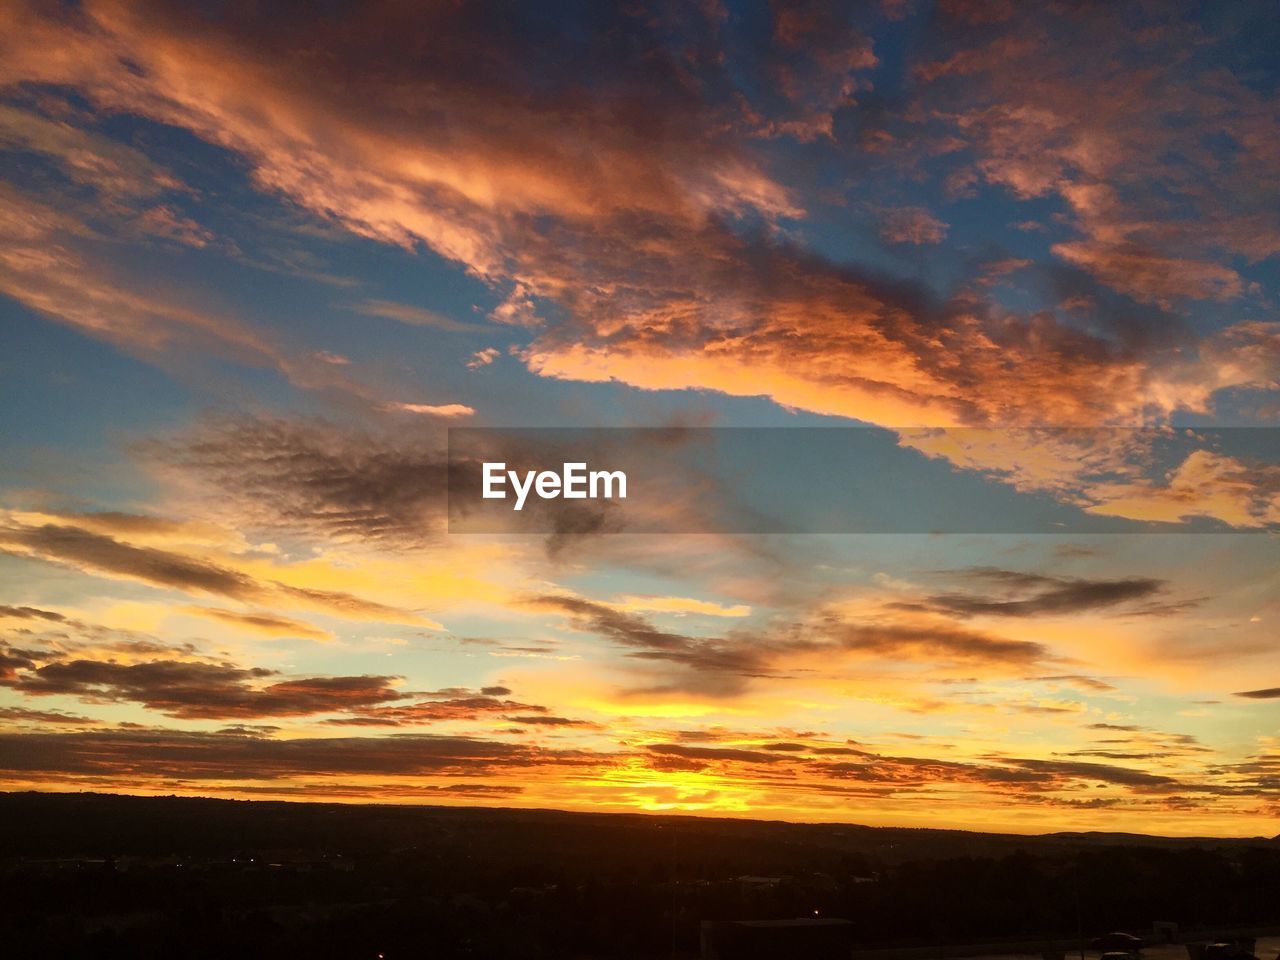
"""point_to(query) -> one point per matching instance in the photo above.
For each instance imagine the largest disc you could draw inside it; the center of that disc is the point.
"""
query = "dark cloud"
(714, 665)
(429, 792)
(918, 772)
(30, 613)
(948, 644)
(1030, 594)
(715, 753)
(99, 553)
(1101, 772)
(1026, 777)
(892, 774)
(260, 622)
(838, 752)
(1267, 693)
(317, 479)
(194, 690)
(458, 704)
(719, 734)
(46, 639)
(185, 756)
(313, 477)
(250, 729)
(723, 665)
(24, 715)
(1043, 708)
(898, 772)
(453, 693)
(535, 720)
(11, 661)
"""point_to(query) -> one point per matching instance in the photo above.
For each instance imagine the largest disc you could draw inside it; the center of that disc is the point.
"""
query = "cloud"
(1117, 472)
(679, 605)
(80, 639)
(815, 65)
(718, 666)
(538, 720)
(722, 666)
(87, 158)
(936, 642)
(831, 340)
(911, 225)
(415, 316)
(493, 152)
(654, 252)
(459, 704)
(900, 773)
(1104, 773)
(24, 715)
(194, 690)
(100, 554)
(312, 477)
(643, 241)
(1090, 684)
(714, 753)
(435, 711)
(187, 756)
(164, 221)
(1031, 595)
(30, 613)
(97, 552)
(266, 623)
(446, 410)
(1110, 136)
(1269, 693)
(430, 793)
(1205, 484)
(49, 264)
(483, 358)
(1149, 276)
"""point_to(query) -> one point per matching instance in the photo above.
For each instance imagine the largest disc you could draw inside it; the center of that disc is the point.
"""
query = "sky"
(256, 261)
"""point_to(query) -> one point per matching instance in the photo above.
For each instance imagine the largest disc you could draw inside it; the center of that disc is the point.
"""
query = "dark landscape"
(91, 875)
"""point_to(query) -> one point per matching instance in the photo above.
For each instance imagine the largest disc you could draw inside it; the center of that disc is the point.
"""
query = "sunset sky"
(256, 259)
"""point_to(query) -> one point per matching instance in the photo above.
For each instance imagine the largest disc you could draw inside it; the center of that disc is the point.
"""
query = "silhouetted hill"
(102, 825)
